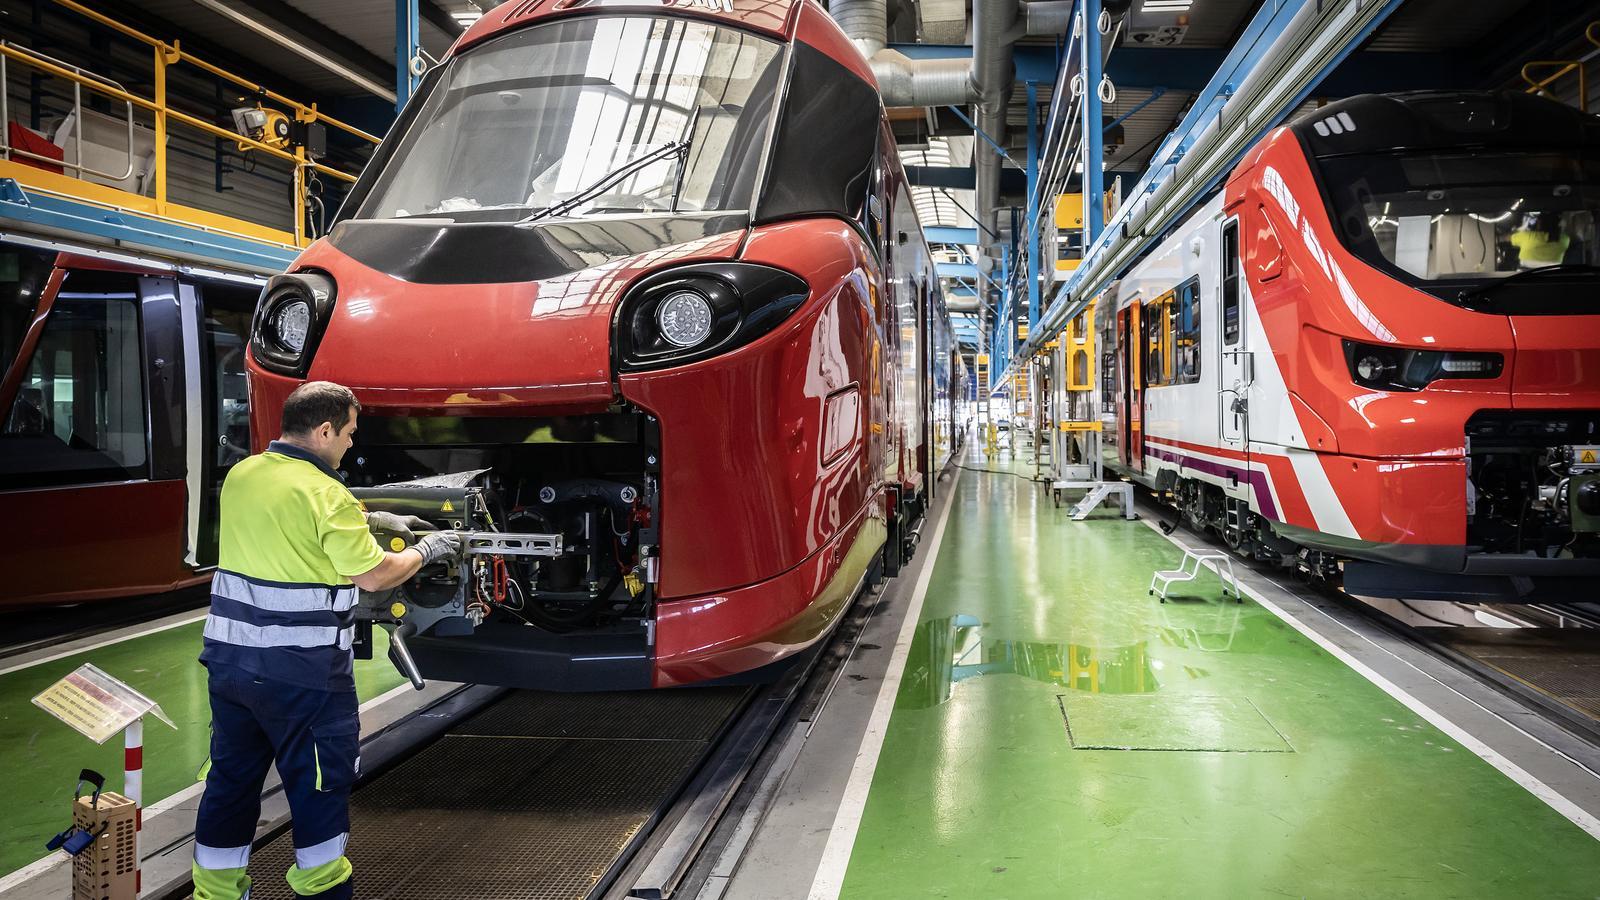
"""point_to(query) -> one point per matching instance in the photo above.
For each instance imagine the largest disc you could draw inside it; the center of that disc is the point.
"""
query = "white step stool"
(1215, 560)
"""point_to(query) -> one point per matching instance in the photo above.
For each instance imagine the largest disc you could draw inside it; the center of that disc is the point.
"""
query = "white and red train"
(1377, 350)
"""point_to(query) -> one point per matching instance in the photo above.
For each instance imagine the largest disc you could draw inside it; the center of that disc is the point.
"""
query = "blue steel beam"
(956, 270)
(407, 41)
(946, 234)
(1033, 204)
(34, 211)
(1094, 209)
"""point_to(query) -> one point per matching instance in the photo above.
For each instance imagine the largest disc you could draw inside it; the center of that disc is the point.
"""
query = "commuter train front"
(622, 297)
(1378, 349)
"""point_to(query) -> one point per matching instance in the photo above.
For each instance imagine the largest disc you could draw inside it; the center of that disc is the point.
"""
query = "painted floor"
(40, 757)
(1059, 733)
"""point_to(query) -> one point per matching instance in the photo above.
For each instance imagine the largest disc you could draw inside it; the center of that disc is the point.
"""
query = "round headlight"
(685, 318)
(1370, 368)
(290, 322)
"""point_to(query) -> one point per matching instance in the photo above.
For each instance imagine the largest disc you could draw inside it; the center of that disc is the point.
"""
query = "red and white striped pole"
(133, 787)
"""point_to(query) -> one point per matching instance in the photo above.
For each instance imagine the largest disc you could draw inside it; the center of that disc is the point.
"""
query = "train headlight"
(289, 321)
(1404, 369)
(1370, 368)
(689, 313)
(685, 318)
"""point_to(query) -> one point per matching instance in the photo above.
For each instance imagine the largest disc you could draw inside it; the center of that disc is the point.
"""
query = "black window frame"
(1231, 292)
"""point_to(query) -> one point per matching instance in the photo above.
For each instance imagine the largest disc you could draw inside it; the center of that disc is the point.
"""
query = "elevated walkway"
(103, 178)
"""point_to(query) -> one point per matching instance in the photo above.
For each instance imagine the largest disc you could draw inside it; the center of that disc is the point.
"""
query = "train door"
(1130, 349)
(1233, 362)
(217, 335)
(91, 445)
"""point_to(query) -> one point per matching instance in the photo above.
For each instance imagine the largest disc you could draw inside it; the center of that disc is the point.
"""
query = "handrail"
(163, 114)
(77, 124)
(29, 57)
(175, 53)
(1541, 86)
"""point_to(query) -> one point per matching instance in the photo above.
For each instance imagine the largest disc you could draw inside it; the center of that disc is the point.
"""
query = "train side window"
(1157, 326)
(79, 415)
(23, 275)
(1186, 337)
(1230, 282)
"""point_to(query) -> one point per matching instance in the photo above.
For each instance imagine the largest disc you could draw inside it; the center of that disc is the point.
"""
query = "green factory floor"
(40, 757)
(1059, 733)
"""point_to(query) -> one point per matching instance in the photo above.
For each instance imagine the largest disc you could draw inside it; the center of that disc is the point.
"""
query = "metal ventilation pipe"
(1048, 16)
(901, 80)
(993, 72)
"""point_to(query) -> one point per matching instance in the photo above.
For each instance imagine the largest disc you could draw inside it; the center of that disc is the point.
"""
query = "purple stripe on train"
(1256, 479)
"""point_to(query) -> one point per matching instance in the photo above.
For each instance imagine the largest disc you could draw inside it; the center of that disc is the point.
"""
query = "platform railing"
(164, 57)
(77, 125)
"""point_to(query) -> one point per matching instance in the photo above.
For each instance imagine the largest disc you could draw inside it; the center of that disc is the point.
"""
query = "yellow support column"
(165, 56)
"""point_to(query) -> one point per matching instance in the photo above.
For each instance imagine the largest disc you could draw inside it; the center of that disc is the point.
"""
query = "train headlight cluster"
(290, 323)
(689, 313)
(685, 318)
(1403, 369)
(289, 320)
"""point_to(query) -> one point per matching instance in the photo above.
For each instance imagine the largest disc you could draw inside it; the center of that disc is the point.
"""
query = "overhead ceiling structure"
(960, 76)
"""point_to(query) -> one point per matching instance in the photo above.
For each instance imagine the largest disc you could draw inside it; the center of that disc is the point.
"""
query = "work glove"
(440, 545)
(397, 524)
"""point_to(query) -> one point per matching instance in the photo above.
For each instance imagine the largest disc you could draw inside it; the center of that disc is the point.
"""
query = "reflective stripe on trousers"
(244, 634)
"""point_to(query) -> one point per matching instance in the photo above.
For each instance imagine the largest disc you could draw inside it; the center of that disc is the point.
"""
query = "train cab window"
(79, 415)
(586, 111)
(1230, 282)
(1186, 334)
(1458, 223)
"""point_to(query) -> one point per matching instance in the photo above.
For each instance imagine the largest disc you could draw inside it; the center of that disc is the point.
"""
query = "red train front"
(623, 297)
(1380, 343)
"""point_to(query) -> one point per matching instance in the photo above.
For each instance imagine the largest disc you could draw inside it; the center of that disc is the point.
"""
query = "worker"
(295, 545)
(1540, 241)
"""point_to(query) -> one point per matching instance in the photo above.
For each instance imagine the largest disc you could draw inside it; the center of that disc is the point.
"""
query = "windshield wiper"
(684, 142)
(1469, 296)
(607, 182)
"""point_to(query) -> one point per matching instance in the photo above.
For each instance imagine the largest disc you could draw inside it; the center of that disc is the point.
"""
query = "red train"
(1377, 350)
(635, 295)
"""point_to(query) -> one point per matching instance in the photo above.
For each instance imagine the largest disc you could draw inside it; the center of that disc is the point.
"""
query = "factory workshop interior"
(799, 449)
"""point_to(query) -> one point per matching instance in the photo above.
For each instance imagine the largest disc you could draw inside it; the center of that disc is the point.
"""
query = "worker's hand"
(397, 524)
(439, 545)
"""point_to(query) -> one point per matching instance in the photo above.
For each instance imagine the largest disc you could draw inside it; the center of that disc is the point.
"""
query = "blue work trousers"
(314, 737)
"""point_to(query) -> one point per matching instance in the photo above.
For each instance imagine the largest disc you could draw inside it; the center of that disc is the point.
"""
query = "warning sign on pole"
(96, 705)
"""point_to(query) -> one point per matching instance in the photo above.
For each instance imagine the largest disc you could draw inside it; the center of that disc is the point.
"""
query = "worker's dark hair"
(315, 402)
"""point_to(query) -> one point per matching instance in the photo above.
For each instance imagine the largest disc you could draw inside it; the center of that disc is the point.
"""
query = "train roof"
(774, 17)
(1370, 123)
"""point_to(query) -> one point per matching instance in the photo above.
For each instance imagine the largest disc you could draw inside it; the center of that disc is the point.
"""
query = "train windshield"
(1453, 221)
(529, 122)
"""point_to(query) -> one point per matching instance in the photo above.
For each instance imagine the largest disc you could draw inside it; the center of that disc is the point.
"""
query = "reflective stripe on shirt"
(279, 597)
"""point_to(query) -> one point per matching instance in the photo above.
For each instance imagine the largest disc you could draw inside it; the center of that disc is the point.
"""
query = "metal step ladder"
(1215, 560)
